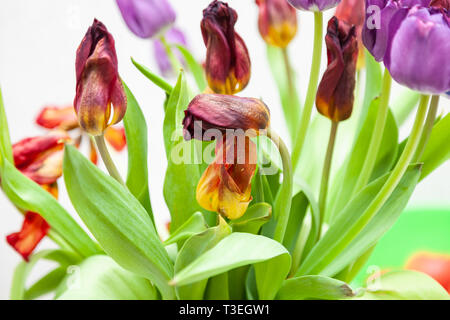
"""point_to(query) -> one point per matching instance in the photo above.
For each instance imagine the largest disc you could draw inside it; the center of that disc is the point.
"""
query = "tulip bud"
(54, 117)
(225, 186)
(146, 18)
(227, 60)
(34, 228)
(277, 22)
(98, 81)
(216, 111)
(40, 158)
(335, 94)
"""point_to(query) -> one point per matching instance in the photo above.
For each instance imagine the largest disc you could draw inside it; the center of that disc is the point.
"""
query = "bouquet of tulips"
(251, 218)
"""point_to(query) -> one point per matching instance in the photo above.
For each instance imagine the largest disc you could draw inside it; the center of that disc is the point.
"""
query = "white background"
(38, 40)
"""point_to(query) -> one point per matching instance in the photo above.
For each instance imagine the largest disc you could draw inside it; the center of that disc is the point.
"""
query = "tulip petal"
(55, 117)
(116, 138)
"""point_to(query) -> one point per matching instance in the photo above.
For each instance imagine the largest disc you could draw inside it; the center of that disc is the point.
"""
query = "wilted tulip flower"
(40, 158)
(225, 186)
(98, 81)
(216, 111)
(377, 27)
(34, 229)
(277, 22)
(172, 36)
(146, 18)
(336, 90)
(314, 5)
(418, 50)
(227, 63)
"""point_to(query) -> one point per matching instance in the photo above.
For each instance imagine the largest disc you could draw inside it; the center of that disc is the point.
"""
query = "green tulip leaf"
(117, 220)
(49, 283)
(5, 141)
(270, 259)
(101, 278)
(136, 133)
(253, 219)
(314, 287)
(195, 224)
(194, 67)
(160, 82)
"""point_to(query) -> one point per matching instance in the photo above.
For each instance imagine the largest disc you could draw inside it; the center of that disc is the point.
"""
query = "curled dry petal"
(221, 112)
(98, 82)
(335, 94)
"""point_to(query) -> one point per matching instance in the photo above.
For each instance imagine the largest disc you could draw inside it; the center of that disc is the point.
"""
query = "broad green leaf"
(46, 284)
(183, 172)
(136, 133)
(100, 278)
(437, 150)
(23, 269)
(343, 185)
(5, 141)
(160, 82)
(271, 260)
(314, 287)
(194, 67)
(117, 220)
(253, 219)
(337, 248)
(405, 285)
(195, 224)
(191, 250)
(217, 288)
(29, 196)
(289, 100)
(299, 207)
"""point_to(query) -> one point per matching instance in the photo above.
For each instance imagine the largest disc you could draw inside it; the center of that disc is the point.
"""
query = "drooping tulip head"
(314, 5)
(277, 22)
(335, 94)
(418, 50)
(98, 82)
(217, 111)
(172, 36)
(40, 158)
(34, 228)
(147, 18)
(225, 186)
(227, 63)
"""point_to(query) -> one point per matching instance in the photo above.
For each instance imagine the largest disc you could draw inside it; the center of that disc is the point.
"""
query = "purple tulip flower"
(146, 18)
(418, 50)
(314, 5)
(173, 36)
(379, 14)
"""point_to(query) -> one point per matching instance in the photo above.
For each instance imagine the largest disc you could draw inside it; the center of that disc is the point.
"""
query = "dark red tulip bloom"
(217, 111)
(227, 60)
(335, 94)
(225, 186)
(40, 158)
(277, 22)
(98, 82)
(34, 228)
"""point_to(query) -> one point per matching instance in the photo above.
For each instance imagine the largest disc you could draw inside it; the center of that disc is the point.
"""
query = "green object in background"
(416, 230)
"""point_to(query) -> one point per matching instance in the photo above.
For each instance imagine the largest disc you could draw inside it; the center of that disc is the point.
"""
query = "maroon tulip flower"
(277, 22)
(335, 94)
(227, 60)
(98, 82)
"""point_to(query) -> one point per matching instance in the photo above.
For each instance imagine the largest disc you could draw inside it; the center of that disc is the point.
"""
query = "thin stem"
(377, 134)
(282, 206)
(428, 127)
(176, 65)
(107, 160)
(291, 115)
(312, 88)
(326, 174)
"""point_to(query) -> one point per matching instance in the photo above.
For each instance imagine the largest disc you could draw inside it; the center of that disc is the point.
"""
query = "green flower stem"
(107, 160)
(326, 173)
(391, 183)
(312, 89)
(176, 65)
(377, 134)
(291, 115)
(428, 127)
(284, 197)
